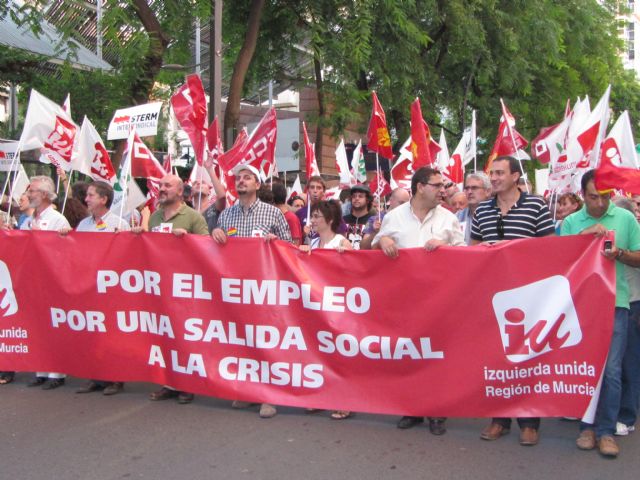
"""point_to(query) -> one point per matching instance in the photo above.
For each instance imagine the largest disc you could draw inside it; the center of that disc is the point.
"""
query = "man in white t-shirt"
(42, 193)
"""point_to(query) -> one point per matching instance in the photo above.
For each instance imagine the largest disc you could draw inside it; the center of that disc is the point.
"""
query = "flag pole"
(66, 191)
(473, 137)
(200, 174)
(378, 185)
(513, 141)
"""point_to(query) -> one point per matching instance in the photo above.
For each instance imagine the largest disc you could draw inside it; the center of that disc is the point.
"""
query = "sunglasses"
(500, 227)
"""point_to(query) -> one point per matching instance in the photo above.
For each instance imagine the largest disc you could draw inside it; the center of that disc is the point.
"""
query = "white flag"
(442, 158)
(125, 188)
(20, 184)
(90, 155)
(296, 189)
(342, 165)
(48, 127)
(619, 148)
(357, 162)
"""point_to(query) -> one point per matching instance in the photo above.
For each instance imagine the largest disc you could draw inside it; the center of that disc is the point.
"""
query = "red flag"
(167, 163)
(504, 144)
(259, 150)
(214, 141)
(190, 107)
(378, 134)
(610, 177)
(309, 155)
(143, 162)
(423, 148)
(379, 186)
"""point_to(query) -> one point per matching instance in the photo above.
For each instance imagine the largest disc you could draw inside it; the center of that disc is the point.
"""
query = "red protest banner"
(518, 332)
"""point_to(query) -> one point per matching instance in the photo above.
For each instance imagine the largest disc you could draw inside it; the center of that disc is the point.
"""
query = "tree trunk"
(150, 65)
(232, 112)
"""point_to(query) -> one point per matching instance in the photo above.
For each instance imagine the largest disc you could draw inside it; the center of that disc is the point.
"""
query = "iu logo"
(8, 303)
(537, 318)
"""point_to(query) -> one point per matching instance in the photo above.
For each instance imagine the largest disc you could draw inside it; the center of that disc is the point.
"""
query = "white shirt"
(49, 219)
(407, 231)
(110, 222)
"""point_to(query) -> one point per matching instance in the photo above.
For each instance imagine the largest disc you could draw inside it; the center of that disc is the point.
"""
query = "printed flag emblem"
(537, 318)
(8, 303)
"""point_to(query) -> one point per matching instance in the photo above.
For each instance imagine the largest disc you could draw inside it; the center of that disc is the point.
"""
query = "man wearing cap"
(250, 217)
(420, 223)
(361, 201)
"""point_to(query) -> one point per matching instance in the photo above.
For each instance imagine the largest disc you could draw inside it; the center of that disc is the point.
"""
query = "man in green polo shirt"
(173, 215)
(598, 216)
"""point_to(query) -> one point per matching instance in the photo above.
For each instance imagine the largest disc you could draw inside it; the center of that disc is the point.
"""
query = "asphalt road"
(62, 435)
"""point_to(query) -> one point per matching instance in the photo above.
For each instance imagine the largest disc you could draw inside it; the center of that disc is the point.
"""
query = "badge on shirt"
(256, 233)
(232, 232)
(166, 227)
(101, 225)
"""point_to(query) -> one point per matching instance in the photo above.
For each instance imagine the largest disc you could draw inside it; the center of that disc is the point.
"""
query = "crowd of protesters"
(435, 212)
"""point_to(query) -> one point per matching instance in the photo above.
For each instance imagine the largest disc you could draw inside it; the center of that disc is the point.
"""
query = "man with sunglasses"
(509, 215)
(420, 223)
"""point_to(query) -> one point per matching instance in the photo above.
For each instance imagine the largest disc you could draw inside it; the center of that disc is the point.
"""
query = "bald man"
(173, 215)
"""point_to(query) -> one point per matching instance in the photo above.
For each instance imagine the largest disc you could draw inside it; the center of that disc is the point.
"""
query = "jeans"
(611, 389)
(631, 370)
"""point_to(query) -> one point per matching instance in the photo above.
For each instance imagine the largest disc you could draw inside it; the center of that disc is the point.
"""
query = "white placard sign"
(143, 117)
(7, 153)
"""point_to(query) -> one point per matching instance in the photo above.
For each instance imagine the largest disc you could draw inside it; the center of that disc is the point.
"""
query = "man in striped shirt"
(509, 215)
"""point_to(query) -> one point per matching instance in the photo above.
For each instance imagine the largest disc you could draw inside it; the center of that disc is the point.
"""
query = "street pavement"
(59, 434)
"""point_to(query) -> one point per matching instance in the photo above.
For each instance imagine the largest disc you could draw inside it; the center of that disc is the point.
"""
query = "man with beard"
(361, 201)
(174, 216)
(251, 217)
(41, 193)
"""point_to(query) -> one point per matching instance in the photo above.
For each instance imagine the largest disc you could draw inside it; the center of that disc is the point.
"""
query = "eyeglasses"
(500, 227)
(437, 186)
(472, 187)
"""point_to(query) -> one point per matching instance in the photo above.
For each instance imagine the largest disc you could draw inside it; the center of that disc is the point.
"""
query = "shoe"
(90, 387)
(586, 440)
(409, 422)
(340, 414)
(631, 428)
(529, 437)
(6, 377)
(113, 388)
(55, 383)
(608, 446)
(163, 394)
(267, 411)
(494, 431)
(240, 404)
(436, 426)
(621, 430)
(185, 397)
(36, 382)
